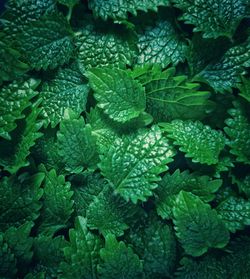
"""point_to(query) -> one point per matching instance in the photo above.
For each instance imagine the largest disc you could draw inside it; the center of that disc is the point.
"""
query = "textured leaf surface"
(110, 213)
(90, 187)
(245, 88)
(234, 264)
(48, 254)
(10, 64)
(76, 145)
(57, 203)
(22, 12)
(14, 99)
(119, 8)
(45, 152)
(133, 163)
(67, 90)
(82, 254)
(209, 267)
(172, 97)
(161, 43)
(235, 212)
(243, 184)
(203, 51)
(213, 17)
(13, 154)
(46, 43)
(225, 72)
(119, 261)
(20, 243)
(101, 45)
(117, 93)
(104, 129)
(19, 199)
(197, 226)
(155, 243)
(237, 261)
(171, 185)
(238, 130)
(198, 141)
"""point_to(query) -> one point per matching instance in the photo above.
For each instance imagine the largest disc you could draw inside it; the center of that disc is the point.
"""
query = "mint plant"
(125, 139)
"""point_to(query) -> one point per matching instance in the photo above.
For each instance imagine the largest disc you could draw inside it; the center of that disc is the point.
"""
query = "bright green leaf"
(117, 9)
(117, 93)
(133, 163)
(170, 186)
(213, 17)
(197, 141)
(198, 227)
(67, 90)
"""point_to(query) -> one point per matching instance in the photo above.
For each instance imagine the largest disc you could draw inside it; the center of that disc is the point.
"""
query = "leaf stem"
(69, 14)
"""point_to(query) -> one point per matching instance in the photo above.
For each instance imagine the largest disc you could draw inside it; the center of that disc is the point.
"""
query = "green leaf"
(213, 17)
(11, 66)
(19, 199)
(208, 267)
(7, 260)
(156, 245)
(198, 227)
(14, 99)
(237, 261)
(243, 184)
(172, 97)
(161, 43)
(200, 55)
(46, 152)
(77, 146)
(197, 141)
(107, 130)
(104, 129)
(67, 90)
(47, 42)
(110, 213)
(57, 203)
(13, 154)
(133, 163)
(244, 88)
(102, 44)
(119, 261)
(20, 244)
(85, 191)
(82, 254)
(69, 3)
(22, 12)
(35, 275)
(48, 254)
(171, 184)
(235, 212)
(238, 130)
(118, 9)
(117, 93)
(224, 73)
